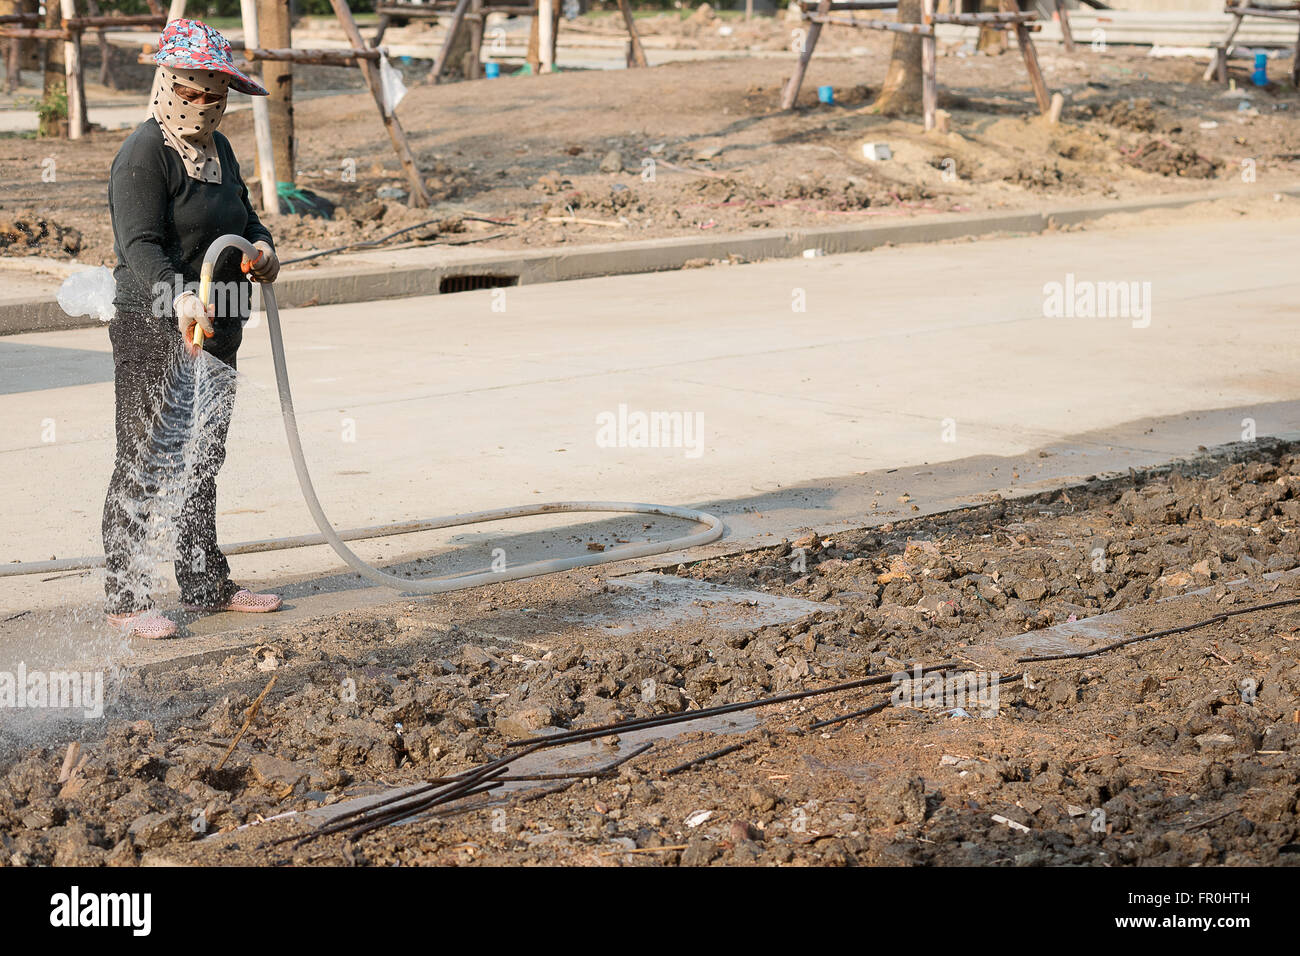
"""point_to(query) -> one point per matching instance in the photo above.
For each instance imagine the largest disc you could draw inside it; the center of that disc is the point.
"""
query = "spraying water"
(72, 670)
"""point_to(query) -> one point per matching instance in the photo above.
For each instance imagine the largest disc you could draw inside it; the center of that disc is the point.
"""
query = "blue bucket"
(492, 70)
(826, 94)
(1260, 76)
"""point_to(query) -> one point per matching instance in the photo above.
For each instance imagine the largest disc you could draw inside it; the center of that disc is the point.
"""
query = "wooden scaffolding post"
(274, 33)
(1063, 18)
(370, 70)
(791, 91)
(74, 77)
(453, 28)
(546, 35)
(53, 81)
(474, 68)
(929, 66)
(1218, 68)
(555, 33)
(31, 49)
(638, 57)
(105, 55)
(13, 48)
(261, 120)
(531, 56)
(1295, 63)
(1031, 64)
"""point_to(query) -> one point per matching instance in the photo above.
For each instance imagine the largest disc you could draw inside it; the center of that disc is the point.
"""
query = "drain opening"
(468, 283)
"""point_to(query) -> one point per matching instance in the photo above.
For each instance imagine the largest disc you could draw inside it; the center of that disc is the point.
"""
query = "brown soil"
(702, 146)
(1152, 754)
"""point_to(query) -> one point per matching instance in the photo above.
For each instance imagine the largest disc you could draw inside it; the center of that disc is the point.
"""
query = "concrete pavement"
(823, 390)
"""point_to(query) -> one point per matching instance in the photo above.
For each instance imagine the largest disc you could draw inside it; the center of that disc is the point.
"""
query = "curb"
(335, 285)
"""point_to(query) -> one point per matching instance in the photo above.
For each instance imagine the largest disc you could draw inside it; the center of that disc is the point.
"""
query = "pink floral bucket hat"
(191, 45)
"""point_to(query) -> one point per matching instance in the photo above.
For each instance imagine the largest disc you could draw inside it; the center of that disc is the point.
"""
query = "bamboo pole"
(54, 81)
(274, 31)
(1218, 67)
(29, 53)
(929, 81)
(11, 9)
(791, 92)
(532, 57)
(37, 33)
(1295, 64)
(1063, 17)
(74, 77)
(638, 51)
(546, 35)
(261, 122)
(1031, 66)
(176, 11)
(890, 26)
(555, 32)
(370, 70)
(474, 69)
(316, 57)
(986, 18)
(101, 38)
(457, 18)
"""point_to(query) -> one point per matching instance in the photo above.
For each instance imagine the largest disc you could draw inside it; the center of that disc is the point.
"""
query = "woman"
(174, 188)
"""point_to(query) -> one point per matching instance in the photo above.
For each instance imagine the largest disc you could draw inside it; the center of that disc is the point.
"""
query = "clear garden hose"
(712, 530)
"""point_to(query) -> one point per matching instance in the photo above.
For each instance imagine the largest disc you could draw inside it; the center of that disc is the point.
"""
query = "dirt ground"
(1182, 749)
(702, 146)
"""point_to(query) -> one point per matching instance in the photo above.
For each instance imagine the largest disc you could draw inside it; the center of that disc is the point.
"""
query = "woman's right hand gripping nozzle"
(191, 312)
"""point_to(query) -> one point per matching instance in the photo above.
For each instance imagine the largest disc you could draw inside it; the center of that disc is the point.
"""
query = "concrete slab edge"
(335, 285)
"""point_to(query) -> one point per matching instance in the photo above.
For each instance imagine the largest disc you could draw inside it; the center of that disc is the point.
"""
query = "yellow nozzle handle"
(205, 288)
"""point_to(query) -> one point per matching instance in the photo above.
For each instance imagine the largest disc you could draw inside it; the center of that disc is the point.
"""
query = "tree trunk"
(901, 93)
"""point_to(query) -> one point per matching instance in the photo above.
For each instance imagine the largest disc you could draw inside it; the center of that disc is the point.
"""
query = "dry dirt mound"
(1159, 742)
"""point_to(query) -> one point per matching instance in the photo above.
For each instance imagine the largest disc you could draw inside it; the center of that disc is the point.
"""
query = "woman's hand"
(264, 267)
(189, 313)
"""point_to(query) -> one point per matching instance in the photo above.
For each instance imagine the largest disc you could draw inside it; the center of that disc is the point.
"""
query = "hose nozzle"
(209, 263)
(205, 291)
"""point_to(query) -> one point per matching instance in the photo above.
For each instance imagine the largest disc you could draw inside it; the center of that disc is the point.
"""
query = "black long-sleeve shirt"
(163, 223)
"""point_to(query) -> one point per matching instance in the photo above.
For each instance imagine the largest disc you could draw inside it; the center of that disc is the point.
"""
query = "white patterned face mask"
(188, 127)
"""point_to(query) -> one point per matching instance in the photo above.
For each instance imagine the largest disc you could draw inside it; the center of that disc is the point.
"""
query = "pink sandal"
(243, 601)
(150, 625)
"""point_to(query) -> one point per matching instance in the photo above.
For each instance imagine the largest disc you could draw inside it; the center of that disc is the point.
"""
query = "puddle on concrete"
(650, 601)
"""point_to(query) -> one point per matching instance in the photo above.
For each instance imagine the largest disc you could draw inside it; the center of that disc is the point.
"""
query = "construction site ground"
(695, 146)
(1179, 750)
(1176, 750)
(1148, 482)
